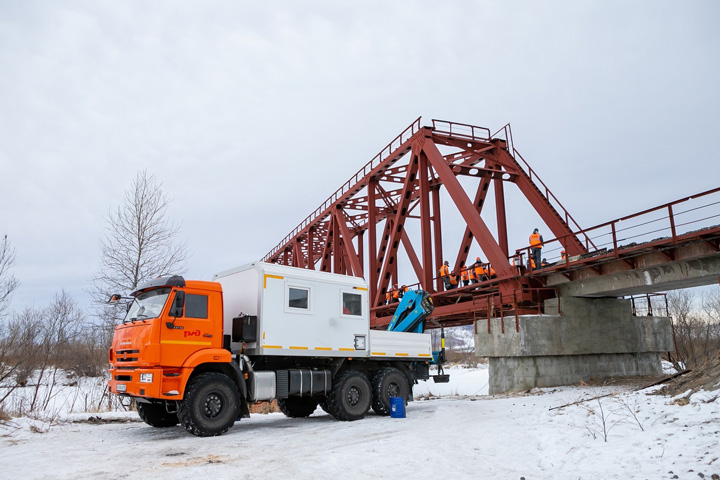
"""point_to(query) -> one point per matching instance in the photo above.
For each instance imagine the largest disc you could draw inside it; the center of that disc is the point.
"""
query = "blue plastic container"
(397, 407)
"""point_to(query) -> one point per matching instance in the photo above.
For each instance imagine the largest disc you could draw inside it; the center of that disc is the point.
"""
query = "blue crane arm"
(410, 314)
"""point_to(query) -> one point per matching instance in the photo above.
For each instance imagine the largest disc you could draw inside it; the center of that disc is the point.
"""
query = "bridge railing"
(660, 225)
(461, 130)
(348, 186)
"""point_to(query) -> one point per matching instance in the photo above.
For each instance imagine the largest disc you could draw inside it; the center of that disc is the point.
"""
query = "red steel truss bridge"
(363, 229)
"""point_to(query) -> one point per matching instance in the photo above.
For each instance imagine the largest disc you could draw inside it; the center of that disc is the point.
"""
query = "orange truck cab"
(185, 359)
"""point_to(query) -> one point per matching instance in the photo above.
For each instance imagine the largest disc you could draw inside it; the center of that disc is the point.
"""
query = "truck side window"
(196, 306)
(299, 298)
(352, 304)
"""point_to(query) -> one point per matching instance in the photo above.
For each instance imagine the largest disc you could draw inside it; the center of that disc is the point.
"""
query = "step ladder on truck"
(198, 353)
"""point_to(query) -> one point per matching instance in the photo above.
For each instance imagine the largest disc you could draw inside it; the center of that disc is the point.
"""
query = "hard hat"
(446, 262)
(478, 259)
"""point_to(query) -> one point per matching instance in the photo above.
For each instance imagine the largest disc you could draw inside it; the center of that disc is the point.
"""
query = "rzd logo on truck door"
(195, 333)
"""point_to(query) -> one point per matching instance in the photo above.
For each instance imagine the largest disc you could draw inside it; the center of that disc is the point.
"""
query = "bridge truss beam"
(362, 229)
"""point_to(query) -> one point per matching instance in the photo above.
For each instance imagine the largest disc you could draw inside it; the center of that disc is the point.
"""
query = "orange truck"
(198, 353)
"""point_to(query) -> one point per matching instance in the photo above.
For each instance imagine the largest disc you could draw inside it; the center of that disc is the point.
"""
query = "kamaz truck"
(198, 353)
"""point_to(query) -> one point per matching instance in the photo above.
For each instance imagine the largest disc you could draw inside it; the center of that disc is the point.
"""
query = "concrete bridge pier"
(590, 339)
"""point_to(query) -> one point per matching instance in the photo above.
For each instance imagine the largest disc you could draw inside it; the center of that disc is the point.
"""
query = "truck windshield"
(147, 305)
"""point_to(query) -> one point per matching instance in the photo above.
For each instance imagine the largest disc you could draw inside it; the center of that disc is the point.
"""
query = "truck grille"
(126, 356)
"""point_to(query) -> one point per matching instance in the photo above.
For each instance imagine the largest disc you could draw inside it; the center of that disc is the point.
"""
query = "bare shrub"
(697, 333)
(34, 346)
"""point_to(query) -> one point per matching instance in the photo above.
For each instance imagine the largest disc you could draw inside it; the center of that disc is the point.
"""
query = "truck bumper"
(147, 383)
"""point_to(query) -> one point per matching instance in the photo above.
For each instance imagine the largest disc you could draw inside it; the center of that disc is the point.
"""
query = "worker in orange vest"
(465, 276)
(471, 274)
(396, 295)
(445, 275)
(454, 280)
(479, 270)
(536, 242)
(490, 272)
(562, 254)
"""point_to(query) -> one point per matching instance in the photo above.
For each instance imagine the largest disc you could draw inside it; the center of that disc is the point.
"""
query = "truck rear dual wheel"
(388, 382)
(350, 396)
(211, 405)
(297, 407)
(156, 415)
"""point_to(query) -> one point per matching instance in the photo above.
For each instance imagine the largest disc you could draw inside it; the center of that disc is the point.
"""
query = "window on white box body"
(299, 298)
(351, 304)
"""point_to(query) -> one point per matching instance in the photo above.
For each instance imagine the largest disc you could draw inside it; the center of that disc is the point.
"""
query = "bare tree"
(140, 244)
(8, 282)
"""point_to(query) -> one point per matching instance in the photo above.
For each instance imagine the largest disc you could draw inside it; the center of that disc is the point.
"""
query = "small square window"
(299, 298)
(352, 304)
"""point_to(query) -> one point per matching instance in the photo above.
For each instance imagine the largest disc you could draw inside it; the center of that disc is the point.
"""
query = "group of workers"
(478, 271)
(475, 273)
(395, 294)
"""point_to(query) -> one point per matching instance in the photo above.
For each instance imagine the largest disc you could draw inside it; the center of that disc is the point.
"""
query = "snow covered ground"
(452, 430)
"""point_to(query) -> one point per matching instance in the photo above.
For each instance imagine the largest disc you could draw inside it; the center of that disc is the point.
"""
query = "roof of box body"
(295, 272)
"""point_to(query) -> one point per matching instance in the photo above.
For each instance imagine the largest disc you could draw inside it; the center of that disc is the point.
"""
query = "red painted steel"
(361, 229)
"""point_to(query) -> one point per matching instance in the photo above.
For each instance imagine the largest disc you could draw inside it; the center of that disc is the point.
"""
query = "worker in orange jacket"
(445, 275)
(465, 276)
(396, 296)
(536, 242)
(454, 280)
(479, 270)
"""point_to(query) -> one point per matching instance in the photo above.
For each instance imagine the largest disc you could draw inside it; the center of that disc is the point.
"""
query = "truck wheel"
(211, 405)
(297, 407)
(156, 415)
(388, 382)
(350, 396)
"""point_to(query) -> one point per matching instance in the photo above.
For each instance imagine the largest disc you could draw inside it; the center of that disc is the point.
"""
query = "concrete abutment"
(591, 339)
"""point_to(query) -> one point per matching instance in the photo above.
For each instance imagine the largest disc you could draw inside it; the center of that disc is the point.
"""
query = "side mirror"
(178, 304)
(115, 298)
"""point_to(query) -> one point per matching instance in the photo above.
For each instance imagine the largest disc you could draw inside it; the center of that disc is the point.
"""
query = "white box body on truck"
(313, 314)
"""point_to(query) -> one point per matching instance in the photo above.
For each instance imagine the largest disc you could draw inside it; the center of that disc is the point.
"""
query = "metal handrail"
(668, 215)
(458, 130)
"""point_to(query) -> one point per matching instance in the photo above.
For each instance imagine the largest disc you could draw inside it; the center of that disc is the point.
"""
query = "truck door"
(190, 331)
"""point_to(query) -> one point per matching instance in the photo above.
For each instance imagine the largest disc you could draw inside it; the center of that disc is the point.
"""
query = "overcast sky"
(252, 113)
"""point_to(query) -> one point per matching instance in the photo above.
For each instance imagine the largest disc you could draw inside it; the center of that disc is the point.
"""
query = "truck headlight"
(146, 378)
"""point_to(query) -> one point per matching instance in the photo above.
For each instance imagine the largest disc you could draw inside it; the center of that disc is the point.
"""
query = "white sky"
(252, 113)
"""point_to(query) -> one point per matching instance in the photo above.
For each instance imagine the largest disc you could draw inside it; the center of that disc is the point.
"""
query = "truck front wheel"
(211, 405)
(350, 396)
(156, 415)
(297, 407)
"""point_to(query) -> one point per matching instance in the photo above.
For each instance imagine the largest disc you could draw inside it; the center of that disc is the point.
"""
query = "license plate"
(121, 387)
